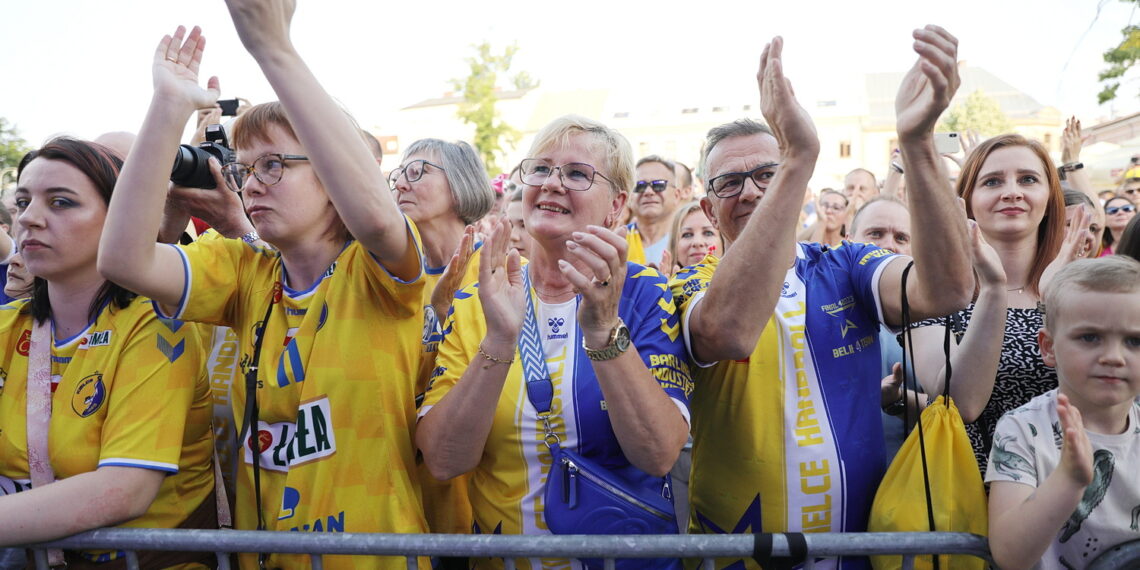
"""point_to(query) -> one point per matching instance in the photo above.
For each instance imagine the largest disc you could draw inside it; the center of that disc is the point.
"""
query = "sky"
(83, 67)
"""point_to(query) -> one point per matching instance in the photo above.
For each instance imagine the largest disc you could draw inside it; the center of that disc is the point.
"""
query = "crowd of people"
(308, 343)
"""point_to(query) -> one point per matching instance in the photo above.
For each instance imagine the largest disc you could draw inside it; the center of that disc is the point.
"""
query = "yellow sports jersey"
(128, 391)
(506, 488)
(336, 390)
(790, 438)
(446, 505)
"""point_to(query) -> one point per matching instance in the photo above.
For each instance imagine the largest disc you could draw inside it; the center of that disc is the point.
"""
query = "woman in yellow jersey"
(337, 303)
(607, 328)
(443, 188)
(123, 405)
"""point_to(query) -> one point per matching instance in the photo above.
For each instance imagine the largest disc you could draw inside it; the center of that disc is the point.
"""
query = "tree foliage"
(12, 148)
(487, 71)
(979, 113)
(1119, 59)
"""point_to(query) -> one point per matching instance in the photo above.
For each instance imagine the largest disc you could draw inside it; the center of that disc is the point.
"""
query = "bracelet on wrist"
(484, 354)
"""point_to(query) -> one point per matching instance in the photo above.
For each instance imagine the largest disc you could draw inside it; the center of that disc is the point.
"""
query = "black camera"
(191, 164)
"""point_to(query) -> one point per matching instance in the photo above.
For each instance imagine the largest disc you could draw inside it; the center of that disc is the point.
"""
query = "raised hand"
(175, 69)
(263, 25)
(1078, 243)
(603, 253)
(791, 124)
(1076, 451)
(987, 264)
(1071, 141)
(928, 87)
(452, 277)
(501, 291)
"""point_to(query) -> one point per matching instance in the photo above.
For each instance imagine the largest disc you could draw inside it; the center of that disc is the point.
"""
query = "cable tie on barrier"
(762, 551)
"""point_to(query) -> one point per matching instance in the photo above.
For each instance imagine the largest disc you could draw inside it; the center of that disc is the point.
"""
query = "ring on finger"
(597, 283)
(172, 59)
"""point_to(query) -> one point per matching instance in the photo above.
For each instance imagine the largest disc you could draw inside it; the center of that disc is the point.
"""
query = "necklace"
(1017, 289)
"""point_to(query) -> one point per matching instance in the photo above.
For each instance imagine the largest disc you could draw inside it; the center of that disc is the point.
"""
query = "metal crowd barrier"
(702, 546)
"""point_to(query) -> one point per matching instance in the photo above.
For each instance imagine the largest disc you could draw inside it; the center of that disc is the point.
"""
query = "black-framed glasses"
(1127, 209)
(731, 184)
(658, 186)
(267, 169)
(412, 171)
(577, 176)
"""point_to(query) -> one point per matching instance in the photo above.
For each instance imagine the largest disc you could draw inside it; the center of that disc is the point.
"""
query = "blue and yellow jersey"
(446, 505)
(506, 488)
(336, 390)
(129, 391)
(790, 438)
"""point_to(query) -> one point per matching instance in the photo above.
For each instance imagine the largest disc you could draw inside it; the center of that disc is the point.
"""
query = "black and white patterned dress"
(1021, 374)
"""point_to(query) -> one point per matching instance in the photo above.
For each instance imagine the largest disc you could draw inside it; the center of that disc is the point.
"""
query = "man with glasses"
(1131, 190)
(655, 199)
(785, 411)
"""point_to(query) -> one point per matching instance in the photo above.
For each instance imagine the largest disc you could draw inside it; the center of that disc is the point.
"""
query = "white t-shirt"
(1027, 448)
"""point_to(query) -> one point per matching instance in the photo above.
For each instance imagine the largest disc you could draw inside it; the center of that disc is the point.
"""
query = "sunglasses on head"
(1127, 209)
(657, 186)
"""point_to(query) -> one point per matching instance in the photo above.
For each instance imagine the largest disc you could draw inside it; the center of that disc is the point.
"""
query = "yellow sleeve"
(462, 332)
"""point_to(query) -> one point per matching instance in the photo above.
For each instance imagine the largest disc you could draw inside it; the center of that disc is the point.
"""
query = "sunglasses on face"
(658, 186)
(1127, 209)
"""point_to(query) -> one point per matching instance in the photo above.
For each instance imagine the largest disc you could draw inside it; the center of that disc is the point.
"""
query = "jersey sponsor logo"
(24, 343)
(874, 253)
(286, 444)
(291, 500)
(89, 395)
(94, 339)
(556, 324)
(839, 306)
(290, 368)
(295, 312)
(786, 292)
(671, 372)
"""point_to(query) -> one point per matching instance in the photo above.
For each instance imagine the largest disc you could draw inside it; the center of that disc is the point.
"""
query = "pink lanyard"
(39, 414)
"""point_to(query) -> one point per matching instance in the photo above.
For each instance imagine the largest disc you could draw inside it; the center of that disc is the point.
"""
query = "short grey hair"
(659, 160)
(470, 186)
(737, 128)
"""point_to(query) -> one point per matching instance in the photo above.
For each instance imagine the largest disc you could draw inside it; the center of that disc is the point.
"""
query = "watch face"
(621, 340)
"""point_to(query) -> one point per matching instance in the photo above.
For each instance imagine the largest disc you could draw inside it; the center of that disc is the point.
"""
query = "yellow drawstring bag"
(933, 483)
(957, 497)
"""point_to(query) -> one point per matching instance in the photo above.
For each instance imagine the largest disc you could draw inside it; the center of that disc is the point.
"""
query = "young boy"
(1062, 472)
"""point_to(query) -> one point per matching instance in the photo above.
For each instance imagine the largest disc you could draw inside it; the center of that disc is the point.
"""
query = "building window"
(1048, 140)
(845, 149)
(621, 115)
(688, 110)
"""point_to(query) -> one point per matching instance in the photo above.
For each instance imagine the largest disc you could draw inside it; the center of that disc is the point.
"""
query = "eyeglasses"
(658, 186)
(267, 169)
(731, 184)
(412, 171)
(1127, 209)
(577, 176)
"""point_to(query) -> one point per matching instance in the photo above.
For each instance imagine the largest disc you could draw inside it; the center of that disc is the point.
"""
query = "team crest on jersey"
(89, 395)
(283, 445)
(95, 338)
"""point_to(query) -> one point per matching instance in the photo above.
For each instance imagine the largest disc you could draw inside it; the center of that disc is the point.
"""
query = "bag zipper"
(570, 470)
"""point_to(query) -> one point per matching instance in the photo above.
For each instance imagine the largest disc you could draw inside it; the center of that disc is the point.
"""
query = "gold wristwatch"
(615, 346)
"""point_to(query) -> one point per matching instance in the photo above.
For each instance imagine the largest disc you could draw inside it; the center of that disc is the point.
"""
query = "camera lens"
(192, 168)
